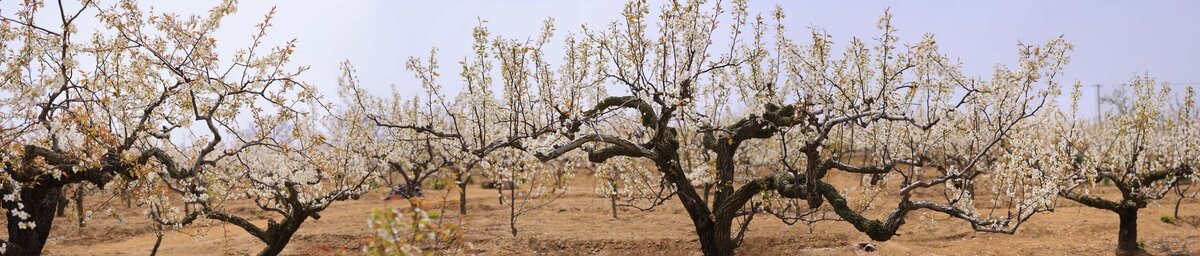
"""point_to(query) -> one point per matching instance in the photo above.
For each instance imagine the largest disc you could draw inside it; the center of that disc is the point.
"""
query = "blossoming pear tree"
(484, 131)
(911, 117)
(145, 104)
(1145, 152)
(413, 155)
(897, 110)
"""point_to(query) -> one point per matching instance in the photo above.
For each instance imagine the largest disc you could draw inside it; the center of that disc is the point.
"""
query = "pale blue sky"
(1114, 40)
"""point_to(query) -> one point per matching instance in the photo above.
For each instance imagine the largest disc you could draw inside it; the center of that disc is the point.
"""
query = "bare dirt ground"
(580, 223)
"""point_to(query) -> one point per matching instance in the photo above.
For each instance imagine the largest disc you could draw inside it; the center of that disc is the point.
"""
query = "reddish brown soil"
(580, 223)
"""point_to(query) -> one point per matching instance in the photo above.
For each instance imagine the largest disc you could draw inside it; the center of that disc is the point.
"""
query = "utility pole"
(1099, 111)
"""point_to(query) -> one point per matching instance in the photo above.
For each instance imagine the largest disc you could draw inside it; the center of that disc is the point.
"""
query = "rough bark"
(1127, 238)
(40, 202)
(278, 235)
(725, 165)
(875, 229)
(711, 242)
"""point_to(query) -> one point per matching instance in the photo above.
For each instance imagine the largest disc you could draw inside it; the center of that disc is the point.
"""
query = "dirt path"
(580, 223)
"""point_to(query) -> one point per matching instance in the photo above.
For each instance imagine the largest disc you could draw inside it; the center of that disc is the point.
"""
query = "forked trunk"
(711, 241)
(708, 241)
(715, 238)
(279, 235)
(723, 237)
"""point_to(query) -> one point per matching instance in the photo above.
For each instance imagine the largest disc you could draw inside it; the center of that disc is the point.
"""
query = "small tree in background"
(1146, 152)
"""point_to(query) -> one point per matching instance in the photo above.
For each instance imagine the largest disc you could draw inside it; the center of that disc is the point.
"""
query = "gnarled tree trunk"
(1127, 238)
(40, 202)
(707, 230)
(279, 234)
